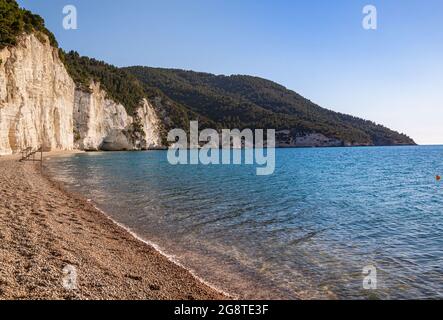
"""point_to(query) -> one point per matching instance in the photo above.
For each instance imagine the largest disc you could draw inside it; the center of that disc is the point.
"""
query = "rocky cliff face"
(36, 97)
(40, 106)
(102, 124)
(151, 124)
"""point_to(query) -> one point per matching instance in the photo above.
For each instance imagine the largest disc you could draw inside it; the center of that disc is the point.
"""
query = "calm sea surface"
(307, 231)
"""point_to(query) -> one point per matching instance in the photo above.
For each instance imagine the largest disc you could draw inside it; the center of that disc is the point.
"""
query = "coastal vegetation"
(14, 21)
(240, 101)
(119, 85)
(123, 87)
(216, 101)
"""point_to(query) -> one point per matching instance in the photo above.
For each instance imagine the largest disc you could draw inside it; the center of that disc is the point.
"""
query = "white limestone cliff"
(40, 106)
(36, 97)
(102, 124)
(95, 117)
(151, 124)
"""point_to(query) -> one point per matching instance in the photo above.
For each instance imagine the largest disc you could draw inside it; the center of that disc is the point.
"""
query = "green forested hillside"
(119, 85)
(244, 101)
(15, 21)
(216, 101)
(124, 88)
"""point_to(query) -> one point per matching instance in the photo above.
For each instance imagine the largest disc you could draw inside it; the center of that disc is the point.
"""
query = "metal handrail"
(29, 152)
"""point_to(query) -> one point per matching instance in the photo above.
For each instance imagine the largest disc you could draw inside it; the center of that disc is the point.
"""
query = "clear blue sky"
(393, 75)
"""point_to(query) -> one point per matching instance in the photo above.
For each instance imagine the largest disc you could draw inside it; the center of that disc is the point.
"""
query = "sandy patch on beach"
(44, 229)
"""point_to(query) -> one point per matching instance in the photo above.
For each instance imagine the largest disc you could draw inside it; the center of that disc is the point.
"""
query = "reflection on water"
(305, 232)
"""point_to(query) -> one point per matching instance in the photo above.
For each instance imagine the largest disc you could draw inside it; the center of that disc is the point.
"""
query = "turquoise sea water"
(307, 231)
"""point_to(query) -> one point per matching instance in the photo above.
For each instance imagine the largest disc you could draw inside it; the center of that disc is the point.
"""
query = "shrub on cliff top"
(124, 88)
(118, 84)
(15, 21)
